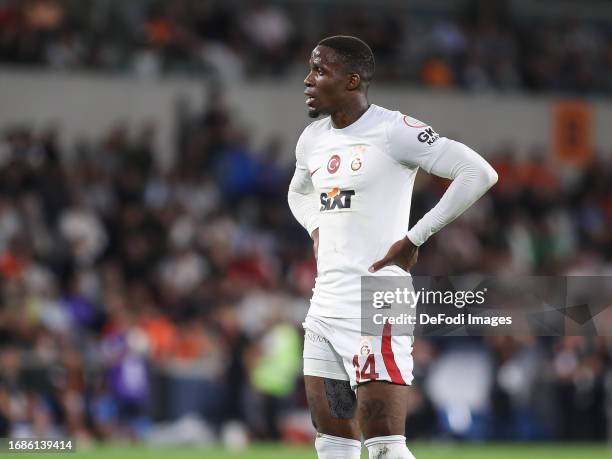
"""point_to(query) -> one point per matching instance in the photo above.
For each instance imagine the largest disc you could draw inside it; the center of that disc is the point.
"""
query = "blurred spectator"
(437, 74)
(274, 363)
(270, 30)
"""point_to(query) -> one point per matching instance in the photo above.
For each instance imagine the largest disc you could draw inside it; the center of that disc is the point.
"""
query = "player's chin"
(313, 113)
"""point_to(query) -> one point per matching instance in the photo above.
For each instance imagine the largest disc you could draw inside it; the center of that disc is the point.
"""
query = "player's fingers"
(379, 264)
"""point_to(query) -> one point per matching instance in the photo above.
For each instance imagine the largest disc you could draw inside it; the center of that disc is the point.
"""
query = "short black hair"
(355, 54)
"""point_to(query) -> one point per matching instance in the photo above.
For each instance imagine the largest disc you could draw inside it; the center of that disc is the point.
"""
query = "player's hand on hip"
(402, 253)
(315, 242)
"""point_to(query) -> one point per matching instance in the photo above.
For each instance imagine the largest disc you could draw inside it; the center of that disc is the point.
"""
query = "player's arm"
(471, 177)
(302, 197)
(416, 145)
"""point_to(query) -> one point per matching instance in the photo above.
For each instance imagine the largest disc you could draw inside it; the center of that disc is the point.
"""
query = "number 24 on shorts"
(368, 371)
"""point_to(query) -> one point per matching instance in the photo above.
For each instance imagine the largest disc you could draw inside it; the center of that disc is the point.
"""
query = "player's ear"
(353, 82)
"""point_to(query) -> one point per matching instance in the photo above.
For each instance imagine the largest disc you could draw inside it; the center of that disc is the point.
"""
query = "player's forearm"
(305, 209)
(472, 176)
(303, 200)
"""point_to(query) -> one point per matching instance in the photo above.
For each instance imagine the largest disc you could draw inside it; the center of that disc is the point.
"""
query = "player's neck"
(349, 113)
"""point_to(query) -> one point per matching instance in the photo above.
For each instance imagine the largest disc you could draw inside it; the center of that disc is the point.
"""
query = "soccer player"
(351, 191)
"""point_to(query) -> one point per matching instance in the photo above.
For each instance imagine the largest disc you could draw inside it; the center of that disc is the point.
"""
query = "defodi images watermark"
(487, 305)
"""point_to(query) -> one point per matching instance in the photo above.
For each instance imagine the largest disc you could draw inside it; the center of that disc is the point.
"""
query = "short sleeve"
(413, 143)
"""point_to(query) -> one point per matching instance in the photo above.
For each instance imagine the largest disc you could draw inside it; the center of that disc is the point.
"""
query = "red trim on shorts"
(389, 358)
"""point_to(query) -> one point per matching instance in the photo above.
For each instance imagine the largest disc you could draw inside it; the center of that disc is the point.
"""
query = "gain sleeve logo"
(333, 164)
(428, 136)
(336, 199)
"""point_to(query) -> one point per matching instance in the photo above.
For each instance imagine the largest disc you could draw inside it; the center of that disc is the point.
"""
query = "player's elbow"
(291, 197)
(294, 200)
(484, 174)
(491, 176)
(487, 175)
(481, 174)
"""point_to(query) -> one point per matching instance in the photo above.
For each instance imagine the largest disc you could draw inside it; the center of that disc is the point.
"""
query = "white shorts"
(335, 349)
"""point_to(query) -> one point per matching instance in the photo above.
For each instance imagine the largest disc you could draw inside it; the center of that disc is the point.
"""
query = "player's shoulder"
(311, 132)
(317, 126)
(399, 118)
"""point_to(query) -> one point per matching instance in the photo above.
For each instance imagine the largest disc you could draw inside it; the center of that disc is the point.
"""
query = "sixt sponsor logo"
(336, 199)
(428, 136)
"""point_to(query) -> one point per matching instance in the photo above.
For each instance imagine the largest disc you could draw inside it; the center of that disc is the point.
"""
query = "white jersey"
(355, 185)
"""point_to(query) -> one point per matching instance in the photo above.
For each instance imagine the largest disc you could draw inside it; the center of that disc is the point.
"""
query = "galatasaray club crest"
(357, 157)
(365, 348)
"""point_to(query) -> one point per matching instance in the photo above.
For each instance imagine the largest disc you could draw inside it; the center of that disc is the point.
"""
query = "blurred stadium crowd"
(166, 305)
(482, 45)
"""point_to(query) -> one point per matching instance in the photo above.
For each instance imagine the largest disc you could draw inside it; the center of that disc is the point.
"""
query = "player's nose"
(308, 80)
